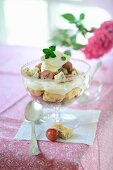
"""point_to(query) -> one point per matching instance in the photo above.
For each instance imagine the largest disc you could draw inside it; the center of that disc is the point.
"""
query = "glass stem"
(57, 110)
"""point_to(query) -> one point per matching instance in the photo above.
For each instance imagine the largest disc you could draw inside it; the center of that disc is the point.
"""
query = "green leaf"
(63, 58)
(80, 27)
(82, 16)
(87, 30)
(78, 46)
(56, 40)
(84, 33)
(49, 52)
(63, 31)
(67, 52)
(53, 55)
(46, 56)
(46, 50)
(69, 17)
(73, 39)
(65, 43)
(53, 47)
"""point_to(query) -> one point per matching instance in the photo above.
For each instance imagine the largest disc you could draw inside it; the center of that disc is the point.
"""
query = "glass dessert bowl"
(55, 82)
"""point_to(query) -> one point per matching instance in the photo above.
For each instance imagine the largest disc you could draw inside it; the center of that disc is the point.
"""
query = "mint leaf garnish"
(49, 52)
(63, 58)
(53, 47)
(67, 52)
(52, 55)
(69, 17)
(46, 50)
(46, 56)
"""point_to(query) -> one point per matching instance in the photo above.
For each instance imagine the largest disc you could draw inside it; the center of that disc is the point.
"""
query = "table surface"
(54, 156)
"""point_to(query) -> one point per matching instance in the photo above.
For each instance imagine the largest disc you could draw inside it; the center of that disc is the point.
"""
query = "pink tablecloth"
(55, 156)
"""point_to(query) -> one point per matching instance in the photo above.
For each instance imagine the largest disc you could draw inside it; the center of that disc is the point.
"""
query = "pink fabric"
(100, 154)
(55, 156)
(10, 86)
(12, 58)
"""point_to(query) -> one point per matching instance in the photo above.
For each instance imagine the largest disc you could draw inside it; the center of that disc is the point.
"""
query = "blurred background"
(27, 25)
(32, 22)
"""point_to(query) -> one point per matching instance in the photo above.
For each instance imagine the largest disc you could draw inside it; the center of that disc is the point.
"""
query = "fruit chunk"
(36, 75)
(46, 75)
(60, 77)
(69, 75)
(39, 66)
(74, 72)
(28, 72)
(68, 66)
(52, 134)
(63, 70)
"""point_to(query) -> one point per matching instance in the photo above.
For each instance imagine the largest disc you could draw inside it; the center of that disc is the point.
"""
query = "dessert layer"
(80, 81)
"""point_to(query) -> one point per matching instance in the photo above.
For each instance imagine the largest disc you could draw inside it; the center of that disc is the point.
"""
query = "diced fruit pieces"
(28, 72)
(36, 75)
(74, 72)
(69, 75)
(46, 75)
(63, 70)
(60, 76)
(39, 66)
(68, 66)
(36, 69)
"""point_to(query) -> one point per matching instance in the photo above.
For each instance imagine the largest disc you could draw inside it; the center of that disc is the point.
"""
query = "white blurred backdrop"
(31, 22)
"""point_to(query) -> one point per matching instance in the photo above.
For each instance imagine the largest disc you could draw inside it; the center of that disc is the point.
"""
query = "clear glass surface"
(34, 86)
(91, 94)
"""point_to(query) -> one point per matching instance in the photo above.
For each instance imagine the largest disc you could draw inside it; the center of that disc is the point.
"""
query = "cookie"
(35, 92)
(73, 93)
(54, 98)
(64, 132)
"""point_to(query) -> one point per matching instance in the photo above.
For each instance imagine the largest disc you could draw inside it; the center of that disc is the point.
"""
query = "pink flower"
(108, 26)
(99, 44)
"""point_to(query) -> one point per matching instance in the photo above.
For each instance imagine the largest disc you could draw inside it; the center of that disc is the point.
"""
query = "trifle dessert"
(55, 77)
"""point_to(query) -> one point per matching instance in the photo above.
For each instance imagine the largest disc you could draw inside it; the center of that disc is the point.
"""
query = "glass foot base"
(67, 119)
(54, 113)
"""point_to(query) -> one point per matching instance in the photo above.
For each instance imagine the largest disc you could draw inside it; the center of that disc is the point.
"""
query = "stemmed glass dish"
(52, 94)
(92, 93)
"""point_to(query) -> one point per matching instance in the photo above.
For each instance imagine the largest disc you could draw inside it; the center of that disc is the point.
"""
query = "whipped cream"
(54, 64)
(46, 66)
(80, 81)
